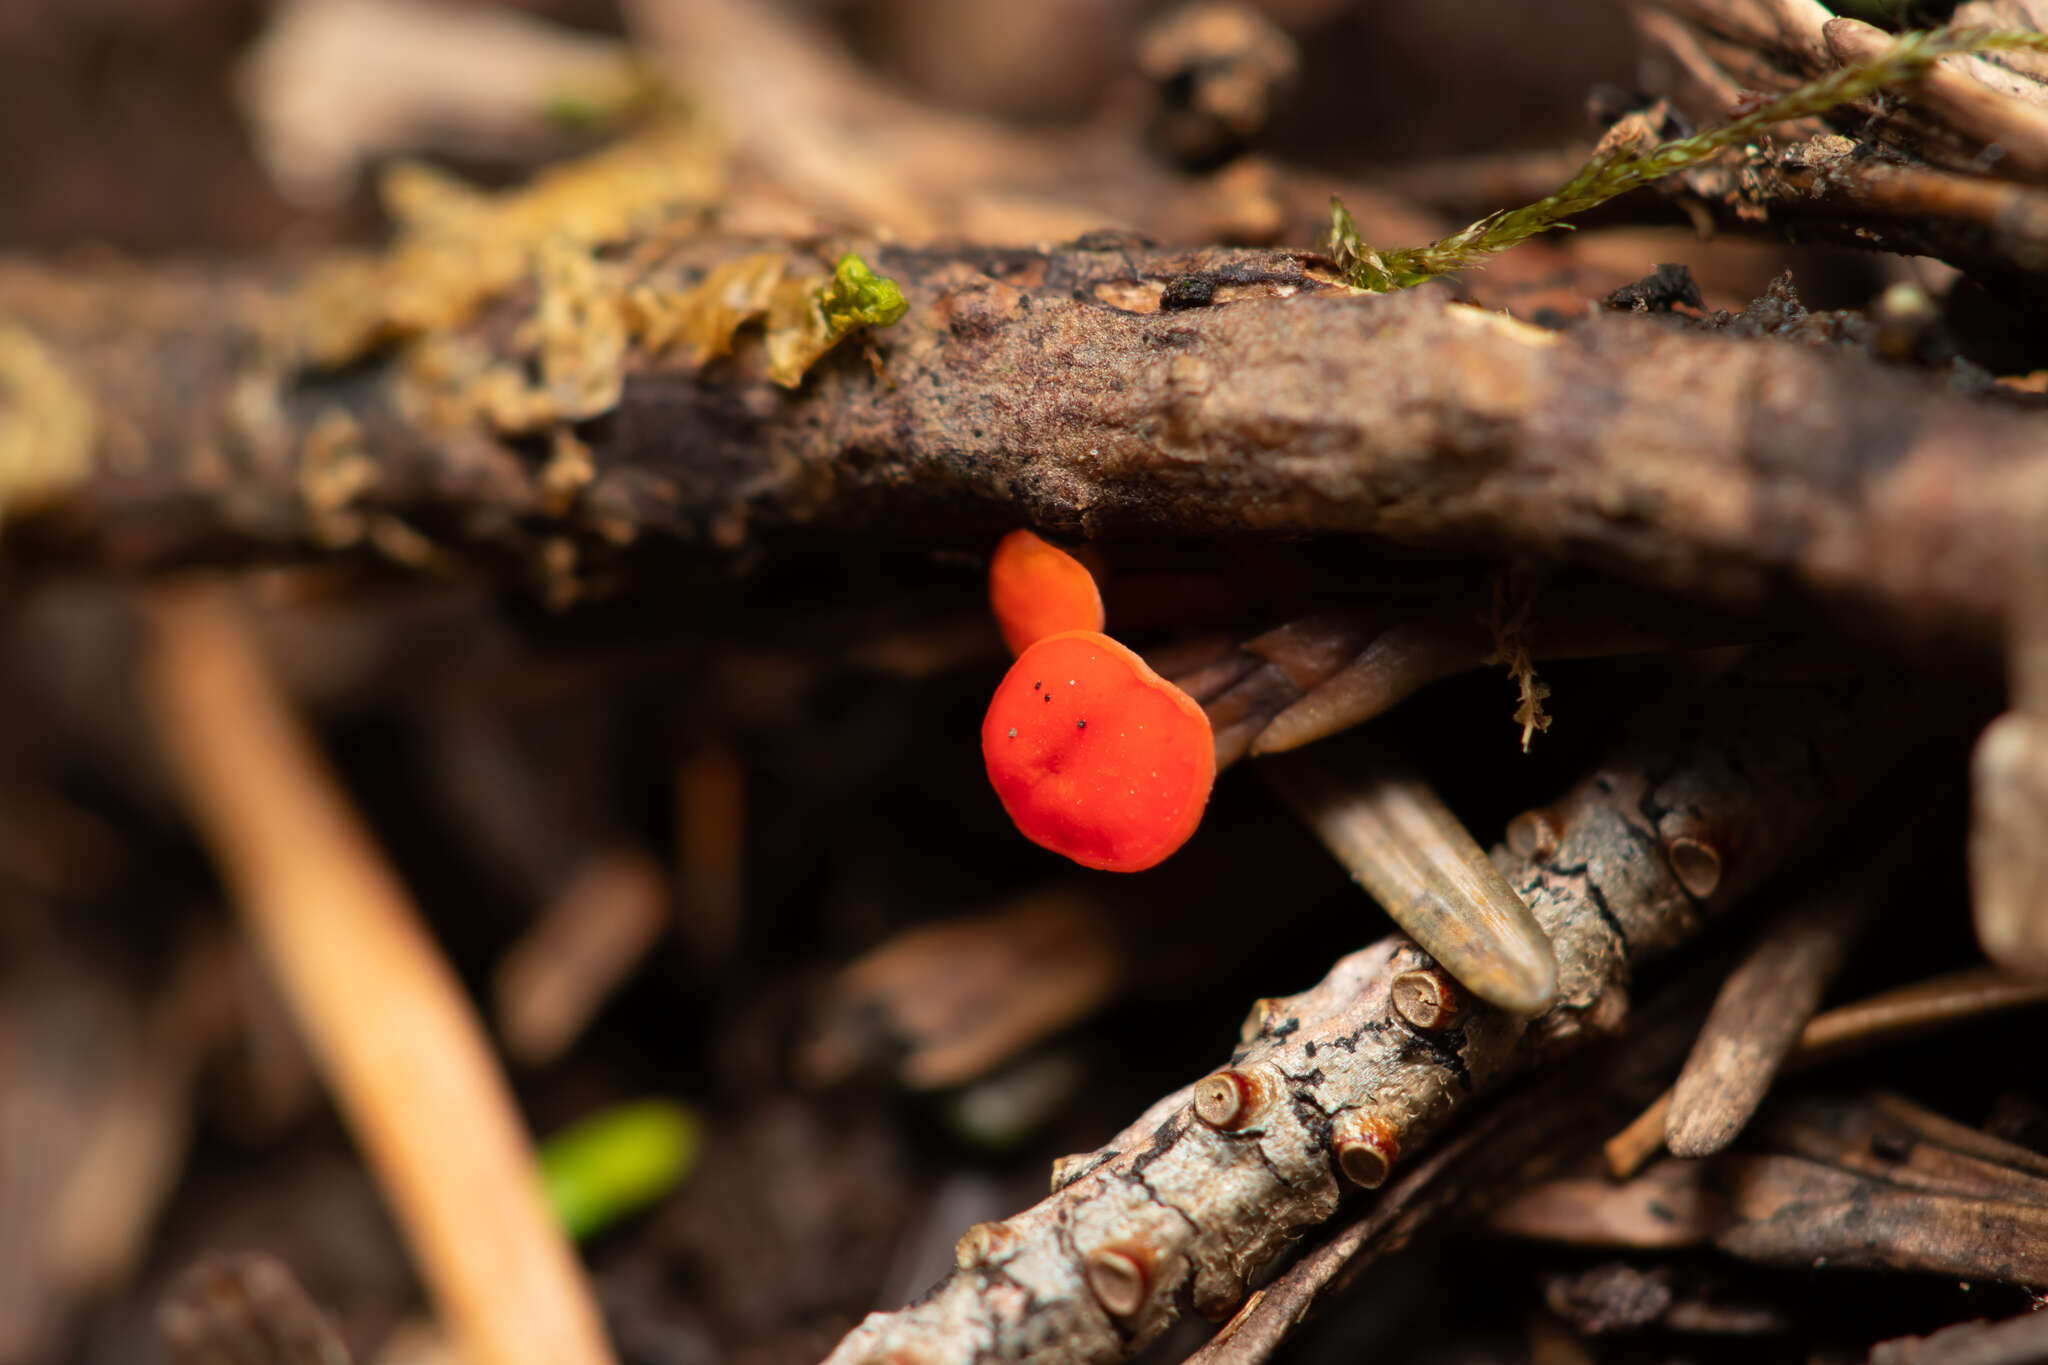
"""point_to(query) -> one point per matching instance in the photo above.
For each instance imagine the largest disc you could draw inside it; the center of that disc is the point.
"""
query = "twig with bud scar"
(1337, 1084)
(1697, 807)
(1211, 1183)
(1503, 1145)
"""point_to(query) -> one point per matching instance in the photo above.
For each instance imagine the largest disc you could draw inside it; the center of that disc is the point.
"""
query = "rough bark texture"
(1056, 388)
(1690, 817)
(1214, 1181)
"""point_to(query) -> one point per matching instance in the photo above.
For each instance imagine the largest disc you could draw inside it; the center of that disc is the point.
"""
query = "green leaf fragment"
(617, 1162)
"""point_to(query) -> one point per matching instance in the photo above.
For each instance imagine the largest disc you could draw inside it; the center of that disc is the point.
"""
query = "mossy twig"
(1618, 170)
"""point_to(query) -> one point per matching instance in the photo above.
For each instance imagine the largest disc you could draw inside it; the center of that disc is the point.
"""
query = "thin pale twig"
(387, 1020)
(1560, 621)
(1272, 672)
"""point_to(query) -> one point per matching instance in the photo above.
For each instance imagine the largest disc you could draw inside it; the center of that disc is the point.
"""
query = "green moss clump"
(856, 296)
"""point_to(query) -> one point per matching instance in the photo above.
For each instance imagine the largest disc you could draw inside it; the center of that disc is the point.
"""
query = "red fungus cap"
(1038, 590)
(1096, 756)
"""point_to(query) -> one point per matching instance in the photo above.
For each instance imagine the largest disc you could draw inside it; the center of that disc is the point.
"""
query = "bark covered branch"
(1098, 388)
(1334, 1085)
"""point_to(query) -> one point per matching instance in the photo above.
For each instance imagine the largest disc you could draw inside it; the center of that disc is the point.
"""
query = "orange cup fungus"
(1095, 756)
(1038, 590)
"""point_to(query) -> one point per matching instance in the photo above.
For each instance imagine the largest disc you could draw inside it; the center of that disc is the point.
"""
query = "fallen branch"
(1957, 109)
(1055, 388)
(1870, 64)
(1506, 1144)
(1214, 1181)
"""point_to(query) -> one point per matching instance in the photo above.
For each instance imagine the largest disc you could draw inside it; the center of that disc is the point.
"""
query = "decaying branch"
(1872, 1181)
(1057, 388)
(1334, 1084)
(1828, 188)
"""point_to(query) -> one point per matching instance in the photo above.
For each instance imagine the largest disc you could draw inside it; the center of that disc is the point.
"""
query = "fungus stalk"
(1037, 589)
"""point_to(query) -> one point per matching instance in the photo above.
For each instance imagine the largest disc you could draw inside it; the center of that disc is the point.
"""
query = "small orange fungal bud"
(1038, 590)
(1095, 756)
